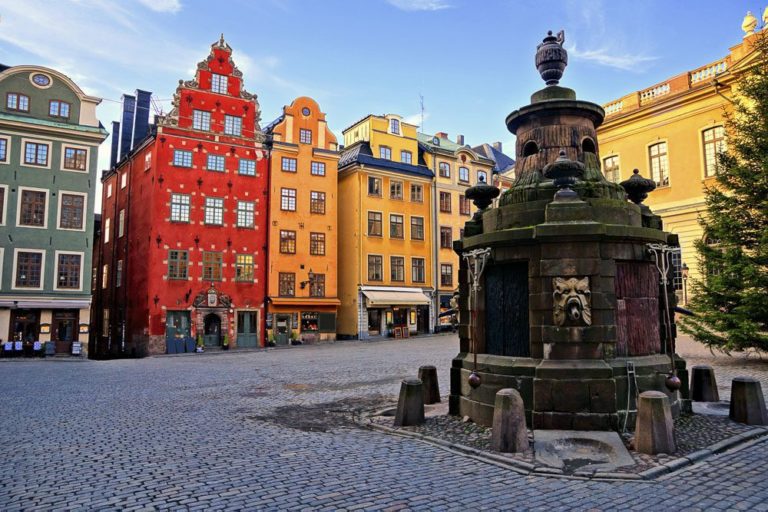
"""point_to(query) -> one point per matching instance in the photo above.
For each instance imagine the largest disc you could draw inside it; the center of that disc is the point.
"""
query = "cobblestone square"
(260, 431)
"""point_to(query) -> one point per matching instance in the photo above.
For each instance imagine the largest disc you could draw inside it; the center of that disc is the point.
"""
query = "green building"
(49, 139)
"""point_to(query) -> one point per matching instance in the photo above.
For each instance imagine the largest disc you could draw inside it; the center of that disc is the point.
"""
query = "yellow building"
(385, 222)
(456, 167)
(303, 235)
(671, 132)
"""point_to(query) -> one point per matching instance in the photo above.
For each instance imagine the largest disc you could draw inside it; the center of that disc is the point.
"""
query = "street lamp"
(685, 283)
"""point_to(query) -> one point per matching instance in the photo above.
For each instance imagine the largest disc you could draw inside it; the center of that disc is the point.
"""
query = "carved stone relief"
(572, 301)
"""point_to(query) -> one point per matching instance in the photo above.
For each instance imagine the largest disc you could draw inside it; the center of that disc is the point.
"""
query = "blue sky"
(471, 60)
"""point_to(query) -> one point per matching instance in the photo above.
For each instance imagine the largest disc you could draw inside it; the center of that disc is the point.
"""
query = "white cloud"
(416, 119)
(420, 5)
(171, 6)
(618, 60)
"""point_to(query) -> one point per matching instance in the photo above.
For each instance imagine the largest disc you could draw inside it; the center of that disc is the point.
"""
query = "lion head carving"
(572, 301)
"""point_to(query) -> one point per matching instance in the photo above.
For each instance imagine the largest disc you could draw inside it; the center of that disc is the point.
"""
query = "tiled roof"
(503, 162)
(271, 126)
(360, 153)
(446, 144)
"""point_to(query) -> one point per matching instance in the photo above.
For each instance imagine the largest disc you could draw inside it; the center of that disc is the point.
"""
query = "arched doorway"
(212, 330)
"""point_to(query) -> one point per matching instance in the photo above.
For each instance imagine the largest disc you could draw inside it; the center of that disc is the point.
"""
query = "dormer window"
(394, 126)
(219, 83)
(57, 108)
(15, 101)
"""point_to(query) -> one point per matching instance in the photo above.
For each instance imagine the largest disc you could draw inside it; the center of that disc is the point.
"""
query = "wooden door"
(64, 330)
(506, 310)
(282, 329)
(247, 329)
(212, 330)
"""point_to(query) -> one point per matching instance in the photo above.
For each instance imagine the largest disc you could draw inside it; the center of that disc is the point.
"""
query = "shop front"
(58, 327)
(294, 321)
(395, 312)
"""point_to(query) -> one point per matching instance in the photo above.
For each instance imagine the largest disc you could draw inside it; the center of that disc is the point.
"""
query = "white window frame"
(121, 223)
(47, 207)
(58, 211)
(188, 205)
(617, 156)
(109, 190)
(23, 151)
(248, 213)
(7, 140)
(124, 179)
(702, 148)
(650, 167)
(64, 146)
(16, 252)
(107, 225)
(2, 259)
(4, 220)
(56, 271)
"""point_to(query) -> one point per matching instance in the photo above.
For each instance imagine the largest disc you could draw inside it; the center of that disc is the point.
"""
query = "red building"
(181, 257)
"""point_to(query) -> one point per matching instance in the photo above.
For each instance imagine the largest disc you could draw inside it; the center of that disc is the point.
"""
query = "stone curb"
(526, 468)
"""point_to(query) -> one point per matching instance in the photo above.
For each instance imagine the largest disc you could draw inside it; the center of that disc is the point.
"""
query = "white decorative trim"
(18, 207)
(23, 151)
(75, 146)
(7, 139)
(2, 260)
(50, 80)
(15, 267)
(56, 271)
(4, 221)
(85, 209)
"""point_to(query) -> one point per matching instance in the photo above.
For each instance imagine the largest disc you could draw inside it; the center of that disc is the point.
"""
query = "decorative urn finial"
(749, 24)
(637, 187)
(482, 194)
(551, 58)
(564, 172)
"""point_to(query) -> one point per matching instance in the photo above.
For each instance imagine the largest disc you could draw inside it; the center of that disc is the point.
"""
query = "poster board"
(398, 332)
(406, 332)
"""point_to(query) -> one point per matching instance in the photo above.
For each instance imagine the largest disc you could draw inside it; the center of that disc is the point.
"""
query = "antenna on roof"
(421, 105)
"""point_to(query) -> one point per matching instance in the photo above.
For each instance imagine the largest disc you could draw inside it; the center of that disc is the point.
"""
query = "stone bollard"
(410, 406)
(747, 402)
(654, 427)
(703, 384)
(509, 433)
(430, 388)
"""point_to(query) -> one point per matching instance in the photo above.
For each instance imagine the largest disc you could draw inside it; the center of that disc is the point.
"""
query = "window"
(385, 153)
(406, 156)
(104, 277)
(305, 136)
(214, 211)
(287, 242)
(179, 208)
(446, 237)
(182, 158)
(68, 271)
(417, 270)
(417, 228)
(445, 202)
(216, 163)
(446, 274)
(317, 285)
(178, 264)
(124, 180)
(714, 143)
(397, 268)
(394, 126)
(2, 205)
(374, 223)
(106, 231)
(148, 161)
(244, 268)
(32, 208)
(233, 125)
(212, 266)
(288, 199)
(118, 273)
(29, 269)
(317, 244)
(15, 101)
(201, 120)
(288, 164)
(245, 214)
(463, 175)
(3, 150)
(317, 202)
(465, 207)
(417, 193)
(219, 83)
(121, 223)
(396, 189)
(35, 153)
(482, 176)
(94, 278)
(444, 169)
(247, 167)
(659, 164)
(58, 108)
(611, 168)
(105, 323)
(318, 169)
(71, 211)
(396, 227)
(75, 159)
(109, 190)
(374, 186)
(375, 270)
(286, 284)
(677, 269)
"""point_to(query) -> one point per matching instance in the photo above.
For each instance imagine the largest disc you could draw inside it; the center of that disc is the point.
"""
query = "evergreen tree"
(731, 297)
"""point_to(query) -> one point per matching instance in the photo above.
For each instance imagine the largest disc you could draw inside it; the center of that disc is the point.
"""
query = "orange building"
(302, 279)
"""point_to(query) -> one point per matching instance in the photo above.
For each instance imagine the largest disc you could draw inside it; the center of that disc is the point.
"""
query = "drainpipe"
(363, 225)
(268, 149)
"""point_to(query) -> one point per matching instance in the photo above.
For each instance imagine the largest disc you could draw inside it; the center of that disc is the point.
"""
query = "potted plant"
(225, 343)
(200, 346)
(271, 340)
(295, 338)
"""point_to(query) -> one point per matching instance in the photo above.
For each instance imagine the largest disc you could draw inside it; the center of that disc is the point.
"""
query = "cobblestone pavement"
(251, 431)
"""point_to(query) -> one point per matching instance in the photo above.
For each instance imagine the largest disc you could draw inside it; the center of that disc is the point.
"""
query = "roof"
(54, 124)
(271, 125)
(360, 153)
(503, 162)
(445, 143)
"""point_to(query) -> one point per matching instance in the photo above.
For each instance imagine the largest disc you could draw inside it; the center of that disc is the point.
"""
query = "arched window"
(530, 148)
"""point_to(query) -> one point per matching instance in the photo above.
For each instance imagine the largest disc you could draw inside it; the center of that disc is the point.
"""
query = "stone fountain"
(571, 307)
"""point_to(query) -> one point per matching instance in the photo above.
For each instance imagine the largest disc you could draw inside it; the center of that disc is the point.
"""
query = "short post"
(430, 388)
(703, 384)
(410, 406)
(654, 430)
(509, 434)
(747, 402)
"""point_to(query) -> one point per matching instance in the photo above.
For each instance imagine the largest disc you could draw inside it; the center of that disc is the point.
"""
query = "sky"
(472, 61)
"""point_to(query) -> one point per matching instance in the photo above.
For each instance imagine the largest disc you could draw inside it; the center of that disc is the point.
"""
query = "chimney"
(115, 144)
(460, 140)
(441, 135)
(126, 125)
(497, 146)
(141, 118)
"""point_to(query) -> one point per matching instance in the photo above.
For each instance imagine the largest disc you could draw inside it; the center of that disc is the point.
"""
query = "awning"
(45, 304)
(396, 298)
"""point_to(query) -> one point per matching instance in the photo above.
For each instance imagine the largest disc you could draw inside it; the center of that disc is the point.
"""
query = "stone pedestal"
(430, 387)
(747, 402)
(703, 384)
(410, 406)
(654, 429)
(508, 432)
